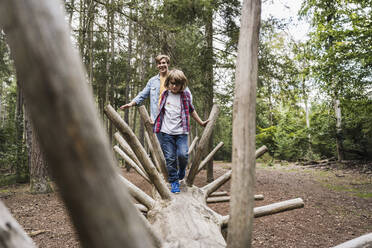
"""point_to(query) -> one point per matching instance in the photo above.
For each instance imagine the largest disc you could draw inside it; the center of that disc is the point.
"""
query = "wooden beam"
(213, 186)
(217, 199)
(209, 156)
(131, 163)
(364, 241)
(202, 145)
(126, 148)
(193, 144)
(140, 152)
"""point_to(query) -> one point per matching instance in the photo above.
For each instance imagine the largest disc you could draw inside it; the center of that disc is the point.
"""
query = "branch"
(158, 153)
(138, 194)
(271, 209)
(193, 144)
(202, 145)
(11, 233)
(210, 156)
(140, 152)
(213, 186)
(128, 151)
(131, 163)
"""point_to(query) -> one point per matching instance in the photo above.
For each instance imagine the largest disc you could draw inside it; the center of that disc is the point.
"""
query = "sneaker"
(175, 187)
(181, 174)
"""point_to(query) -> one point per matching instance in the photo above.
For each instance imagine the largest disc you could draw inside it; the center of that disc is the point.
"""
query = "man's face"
(163, 66)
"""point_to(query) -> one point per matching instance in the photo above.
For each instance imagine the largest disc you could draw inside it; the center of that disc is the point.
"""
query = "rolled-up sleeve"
(143, 94)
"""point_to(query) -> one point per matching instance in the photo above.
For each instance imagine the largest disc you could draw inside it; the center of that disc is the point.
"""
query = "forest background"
(314, 96)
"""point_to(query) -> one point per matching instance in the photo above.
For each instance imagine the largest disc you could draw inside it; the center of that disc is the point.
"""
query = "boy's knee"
(183, 156)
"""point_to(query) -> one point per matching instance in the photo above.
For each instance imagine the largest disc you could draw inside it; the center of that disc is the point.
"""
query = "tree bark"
(39, 175)
(76, 146)
(244, 128)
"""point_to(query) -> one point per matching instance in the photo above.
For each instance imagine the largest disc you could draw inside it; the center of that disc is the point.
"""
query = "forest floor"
(338, 207)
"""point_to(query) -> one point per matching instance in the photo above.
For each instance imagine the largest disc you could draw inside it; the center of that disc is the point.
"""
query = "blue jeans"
(175, 148)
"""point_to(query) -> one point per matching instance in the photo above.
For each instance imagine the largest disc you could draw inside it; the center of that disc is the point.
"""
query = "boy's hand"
(204, 123)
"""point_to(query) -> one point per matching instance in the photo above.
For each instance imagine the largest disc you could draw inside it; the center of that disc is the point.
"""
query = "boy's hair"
(162, 56)
(178, 77)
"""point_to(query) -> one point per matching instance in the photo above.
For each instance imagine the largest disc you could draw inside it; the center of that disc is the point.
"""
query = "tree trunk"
(244, 129)
(39, 176)
(62, 111)
(339, 136)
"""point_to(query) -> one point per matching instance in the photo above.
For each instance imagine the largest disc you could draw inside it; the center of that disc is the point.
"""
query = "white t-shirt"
(172, 122)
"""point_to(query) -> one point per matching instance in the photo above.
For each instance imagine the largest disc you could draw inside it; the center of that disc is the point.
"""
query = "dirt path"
(338, 207)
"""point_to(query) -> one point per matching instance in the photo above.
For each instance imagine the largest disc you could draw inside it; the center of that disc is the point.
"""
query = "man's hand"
(128, 105)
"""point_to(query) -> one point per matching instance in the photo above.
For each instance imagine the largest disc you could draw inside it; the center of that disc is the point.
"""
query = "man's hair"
(178, 77)
(162, 56)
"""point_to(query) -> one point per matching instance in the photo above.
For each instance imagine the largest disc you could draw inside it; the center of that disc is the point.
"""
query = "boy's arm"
(196, 117)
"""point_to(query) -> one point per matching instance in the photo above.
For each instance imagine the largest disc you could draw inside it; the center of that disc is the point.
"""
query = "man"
(153, 88)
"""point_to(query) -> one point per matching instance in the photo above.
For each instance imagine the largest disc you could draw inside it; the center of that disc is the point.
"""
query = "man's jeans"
(175, 148)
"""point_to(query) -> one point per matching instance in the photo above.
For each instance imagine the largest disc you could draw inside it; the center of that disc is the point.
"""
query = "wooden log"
(202, 145)
(140, 152)
(128, 151)
(193, 144)
(138, 194)
(187, 221)
(209, 156)
(217, 199)
(260, 151)
(11, 233)
(278, 207)
(63, 112)
(158, 153)
(141, 208)
(220, 193)
(131, 163)
(213, 186)
(364, 241)
(244, 128)
(271, 209)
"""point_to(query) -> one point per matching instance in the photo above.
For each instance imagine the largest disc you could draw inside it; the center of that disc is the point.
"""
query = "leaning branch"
(140, 152)
(213, 186)
(193, 144)
(138, 194)
(128, 150)
(131, 163)
(158, 153)
(202, 145)
(210, 156)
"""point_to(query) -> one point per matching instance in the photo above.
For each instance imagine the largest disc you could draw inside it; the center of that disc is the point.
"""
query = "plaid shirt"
(186, 109)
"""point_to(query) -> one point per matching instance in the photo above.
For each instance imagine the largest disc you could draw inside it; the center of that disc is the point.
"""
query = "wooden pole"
(244, 128)
(131, 163)
(63, 112)
(209, 156)
(158, 153)
(364, 241)
(202, 145)
(140, 152)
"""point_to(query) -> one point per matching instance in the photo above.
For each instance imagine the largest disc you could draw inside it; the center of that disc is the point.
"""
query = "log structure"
(185, 219)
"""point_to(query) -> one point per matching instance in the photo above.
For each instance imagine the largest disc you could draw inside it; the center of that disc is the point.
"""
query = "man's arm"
(140, 97)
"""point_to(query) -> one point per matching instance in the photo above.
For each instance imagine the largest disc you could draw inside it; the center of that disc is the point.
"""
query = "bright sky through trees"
(286, 9)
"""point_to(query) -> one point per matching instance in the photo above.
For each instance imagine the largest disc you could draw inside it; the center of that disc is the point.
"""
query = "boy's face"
(163, 66)
(174, 87)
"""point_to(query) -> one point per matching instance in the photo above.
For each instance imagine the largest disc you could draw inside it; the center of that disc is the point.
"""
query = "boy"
(173, 122)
